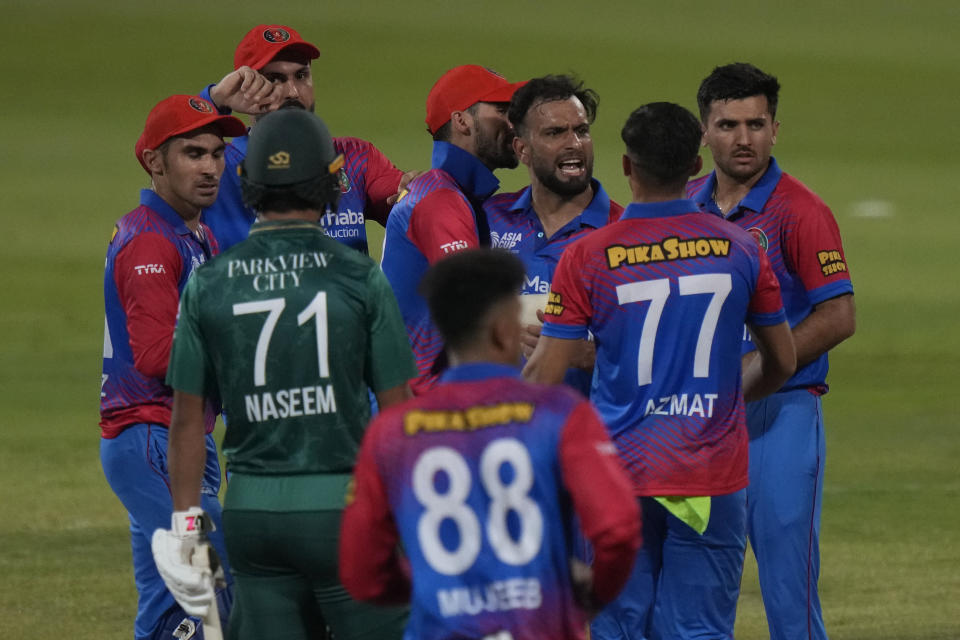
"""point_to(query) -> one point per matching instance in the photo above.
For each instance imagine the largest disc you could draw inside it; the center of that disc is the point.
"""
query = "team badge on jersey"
(759, 236)
(276, 35)
(200, 105)
(344, 181)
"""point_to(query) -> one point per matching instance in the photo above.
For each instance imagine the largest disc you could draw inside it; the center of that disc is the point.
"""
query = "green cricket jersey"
(289, 328)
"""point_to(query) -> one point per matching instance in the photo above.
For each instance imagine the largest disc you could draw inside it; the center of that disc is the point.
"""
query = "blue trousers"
(135, 465)
(787, 453)
(683, 585)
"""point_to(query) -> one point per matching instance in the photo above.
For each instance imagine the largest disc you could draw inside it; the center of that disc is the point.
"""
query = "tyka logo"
(147, 269)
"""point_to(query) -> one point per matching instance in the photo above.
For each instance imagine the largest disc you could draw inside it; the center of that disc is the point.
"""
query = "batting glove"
(183, 559)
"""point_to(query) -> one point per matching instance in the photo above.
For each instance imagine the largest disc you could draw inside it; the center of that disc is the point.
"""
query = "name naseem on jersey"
(290, 403)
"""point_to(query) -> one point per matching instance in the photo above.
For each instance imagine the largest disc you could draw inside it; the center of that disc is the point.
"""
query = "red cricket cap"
(265, 41)
(462, 87)
(181, 114)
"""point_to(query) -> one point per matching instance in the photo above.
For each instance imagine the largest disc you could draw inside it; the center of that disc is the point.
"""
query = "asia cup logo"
(276, 35)
(759, 236)
(200, 105)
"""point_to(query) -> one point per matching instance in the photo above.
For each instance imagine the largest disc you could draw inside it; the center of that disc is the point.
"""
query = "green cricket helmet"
(290, 156)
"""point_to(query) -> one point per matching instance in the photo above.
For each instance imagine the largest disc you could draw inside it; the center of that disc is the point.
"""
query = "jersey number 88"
(452, 505)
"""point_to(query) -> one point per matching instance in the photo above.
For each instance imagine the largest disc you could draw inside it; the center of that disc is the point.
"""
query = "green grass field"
(869, 121)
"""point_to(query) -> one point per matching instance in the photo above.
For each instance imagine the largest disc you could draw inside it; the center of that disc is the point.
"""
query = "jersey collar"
(471, 174)
(152, 200)
(659, 209)
(595, 215)
(474, 371)
(270, 225)
(756, 200)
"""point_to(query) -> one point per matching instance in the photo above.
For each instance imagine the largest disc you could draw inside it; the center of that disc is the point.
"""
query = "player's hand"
(247, 91)
(405, 179)
(529, 337)
(581, 579)
(585, 356)
(182, 558)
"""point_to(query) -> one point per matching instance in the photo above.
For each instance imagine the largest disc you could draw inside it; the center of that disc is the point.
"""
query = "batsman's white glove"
(182, 556)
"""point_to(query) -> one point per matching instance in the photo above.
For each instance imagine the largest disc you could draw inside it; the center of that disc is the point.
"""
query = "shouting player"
(666, 291)
(272, 70)
(443, 213)
(478, 479)
(738, 110)
(154, 250)
(288, 328)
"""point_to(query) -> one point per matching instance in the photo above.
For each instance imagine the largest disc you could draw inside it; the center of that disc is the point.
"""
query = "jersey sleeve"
(568, 310)
(442, 223)
(813, 248)
(382, 180)
(389, 360)
(147, 274)
(766, 305)
(190, 368)
(602, 498)
(370, 567)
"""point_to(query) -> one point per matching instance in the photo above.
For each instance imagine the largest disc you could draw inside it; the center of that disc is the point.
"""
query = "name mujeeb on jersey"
(672, 248)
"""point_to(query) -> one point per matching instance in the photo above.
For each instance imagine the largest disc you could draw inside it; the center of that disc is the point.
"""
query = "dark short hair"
(548, 89)
(737, 81)
(663, 141)
(462, 289)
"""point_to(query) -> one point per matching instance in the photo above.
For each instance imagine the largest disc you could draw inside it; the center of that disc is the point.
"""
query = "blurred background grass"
(868, 112)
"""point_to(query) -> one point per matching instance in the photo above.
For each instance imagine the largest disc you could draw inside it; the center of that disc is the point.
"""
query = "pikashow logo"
(479, 417)
(554, 304)
(276, 35)
(831, 262)
(672, 248)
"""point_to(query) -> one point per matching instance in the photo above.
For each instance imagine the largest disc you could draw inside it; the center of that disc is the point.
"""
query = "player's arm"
(813, 248)
(584, 358)
(775, 362)
(186, 450)
(371, 569)
(602, 499)
(389, 360)
(147, 273)
(383, 181)
(245, 91)
(776, 358)
(830, 323)
(551, 359)
(442, 223)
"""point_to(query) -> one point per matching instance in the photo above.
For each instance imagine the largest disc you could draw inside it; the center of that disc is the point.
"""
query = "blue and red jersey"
(435, 218)
(515, 226)
(802, 240)
(150, 257)
(367, 179)
(479, 479)
(666, 292)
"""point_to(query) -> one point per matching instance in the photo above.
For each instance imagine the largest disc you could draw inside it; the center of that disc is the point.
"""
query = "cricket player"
(738, 110)
(552, 117)
(666, 291)
(477, 479)
(153, 251)
(443, 212)
(272, 69)
(288, 328)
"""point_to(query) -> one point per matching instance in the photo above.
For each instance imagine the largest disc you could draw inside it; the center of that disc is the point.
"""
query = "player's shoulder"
(142, 221)
(349, 146)
(796, 198)
(696, 184)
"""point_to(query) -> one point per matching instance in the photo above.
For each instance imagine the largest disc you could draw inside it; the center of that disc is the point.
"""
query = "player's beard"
(566, 187)
(290, 103)
(496, 154)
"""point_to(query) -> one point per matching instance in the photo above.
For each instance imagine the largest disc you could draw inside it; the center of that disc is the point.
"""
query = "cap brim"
(307, 49)
(230, 126)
